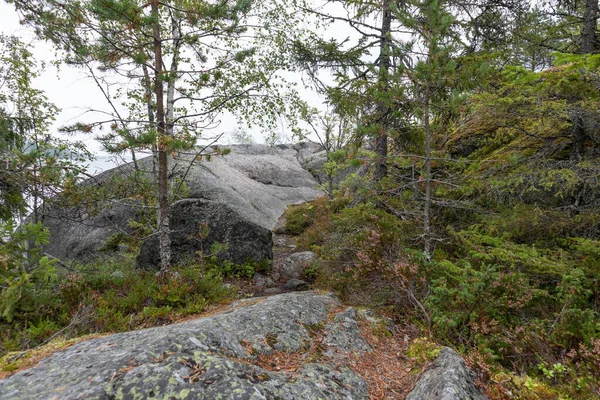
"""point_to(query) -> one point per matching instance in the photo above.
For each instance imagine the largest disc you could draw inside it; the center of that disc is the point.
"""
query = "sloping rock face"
(256, 182)
(448, 378)
(76, 235)
(246, 241)
(208, 358)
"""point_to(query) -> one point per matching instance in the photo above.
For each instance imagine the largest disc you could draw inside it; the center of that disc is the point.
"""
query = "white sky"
(75, 93)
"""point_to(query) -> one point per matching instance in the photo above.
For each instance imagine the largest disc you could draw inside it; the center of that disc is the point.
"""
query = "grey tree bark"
(381, 142)
(163, 184)
(589, 36)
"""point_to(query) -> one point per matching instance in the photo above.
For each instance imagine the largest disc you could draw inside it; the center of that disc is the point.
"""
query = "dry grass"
(280, 361)
(17, 361)
(288, 361)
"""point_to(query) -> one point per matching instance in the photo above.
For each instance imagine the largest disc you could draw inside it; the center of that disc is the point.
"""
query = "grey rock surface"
(256, 182)
(206, 358)
(448, 378)
(271, 291)
(296, 284)
(293, 265)
(246, 240)
(76, 235)
(344, 333)
(259, 280)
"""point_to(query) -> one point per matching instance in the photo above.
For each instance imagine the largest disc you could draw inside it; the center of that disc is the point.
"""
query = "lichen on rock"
(207, 358)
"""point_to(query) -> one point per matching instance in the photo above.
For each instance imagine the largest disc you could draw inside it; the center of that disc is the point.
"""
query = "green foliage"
(310, 219)
(298, 218)
(245, 271)
(35, 165)
(423, 350)
(109, 296)
(24, 272)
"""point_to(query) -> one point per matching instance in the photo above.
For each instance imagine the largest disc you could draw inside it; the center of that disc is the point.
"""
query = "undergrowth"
(109, 296)
(524, 314)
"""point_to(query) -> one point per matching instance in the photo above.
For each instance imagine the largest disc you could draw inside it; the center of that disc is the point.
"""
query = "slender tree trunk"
(579, 137)
(427, 206)
(163, 184)
(589, 45)
(589, 38)
(381, 142)
(175, 34)
(428, 245)
(151, 120)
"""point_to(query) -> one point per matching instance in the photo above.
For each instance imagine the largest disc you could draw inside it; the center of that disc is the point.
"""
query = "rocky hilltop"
(299, 345)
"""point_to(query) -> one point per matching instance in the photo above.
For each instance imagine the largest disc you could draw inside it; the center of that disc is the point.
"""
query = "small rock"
(296, 284)
(448, 378)
(276, 275)
(269, 282)
(292, 266)
(273, 290)
(259, 280)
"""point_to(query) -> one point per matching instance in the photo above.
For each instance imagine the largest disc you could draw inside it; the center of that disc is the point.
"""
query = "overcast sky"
(75, 93)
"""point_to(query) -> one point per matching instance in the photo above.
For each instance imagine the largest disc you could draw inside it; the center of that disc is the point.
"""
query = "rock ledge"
(207, 358)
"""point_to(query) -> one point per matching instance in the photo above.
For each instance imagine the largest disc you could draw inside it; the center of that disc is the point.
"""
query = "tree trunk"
(176, 36)
(579, 137)
(427, 207)
(163, 184)
(381, 142)
(589, 38)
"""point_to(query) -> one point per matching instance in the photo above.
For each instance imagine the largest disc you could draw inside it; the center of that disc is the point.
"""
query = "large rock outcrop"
(257, 181)
(254, 182)
(216, 357)
(246, 241)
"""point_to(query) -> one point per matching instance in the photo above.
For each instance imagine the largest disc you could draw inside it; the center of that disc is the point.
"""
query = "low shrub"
(111, 296)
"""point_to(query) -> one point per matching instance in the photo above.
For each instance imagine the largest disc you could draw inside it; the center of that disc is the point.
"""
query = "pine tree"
(187, 62)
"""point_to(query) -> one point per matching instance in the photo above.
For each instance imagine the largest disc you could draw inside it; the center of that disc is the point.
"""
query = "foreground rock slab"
(448, 378)
(208, 358)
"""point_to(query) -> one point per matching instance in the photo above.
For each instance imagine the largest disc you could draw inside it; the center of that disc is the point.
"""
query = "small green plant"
(113, 242)
(423, 350)
(552, 372)
(246, 270)
(311, 272)
(298, 218)
(24, 271)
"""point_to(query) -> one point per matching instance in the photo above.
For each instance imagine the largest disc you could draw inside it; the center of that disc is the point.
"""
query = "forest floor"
(388, 370)
(283, 246)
